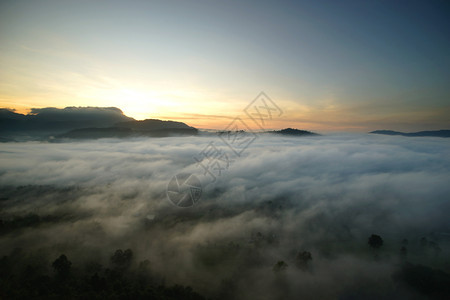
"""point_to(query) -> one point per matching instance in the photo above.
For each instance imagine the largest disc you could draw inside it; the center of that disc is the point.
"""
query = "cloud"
(322, 194)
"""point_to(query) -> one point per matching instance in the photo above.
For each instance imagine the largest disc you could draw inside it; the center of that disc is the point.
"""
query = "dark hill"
(49, 121)
(83, 122)
(153, 124)
(435, 133)
(293, 132)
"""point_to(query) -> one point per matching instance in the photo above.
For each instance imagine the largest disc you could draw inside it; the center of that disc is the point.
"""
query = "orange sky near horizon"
(329, 66)
(323, 118)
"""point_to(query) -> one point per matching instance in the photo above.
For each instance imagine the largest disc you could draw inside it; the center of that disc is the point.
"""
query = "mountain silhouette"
(435, 133)
(292, 131)
(153, 124)
(43, 121)
(82, 122)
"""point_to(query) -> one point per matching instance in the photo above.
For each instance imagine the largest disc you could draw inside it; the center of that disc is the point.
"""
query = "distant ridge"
(50, 120)
(83, 123)
(292, 131)
(153, 124)
(435, 133)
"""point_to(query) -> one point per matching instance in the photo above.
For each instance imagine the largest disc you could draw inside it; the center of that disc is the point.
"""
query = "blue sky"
(330, 65)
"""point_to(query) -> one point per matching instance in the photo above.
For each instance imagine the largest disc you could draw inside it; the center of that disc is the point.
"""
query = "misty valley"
(338, 216)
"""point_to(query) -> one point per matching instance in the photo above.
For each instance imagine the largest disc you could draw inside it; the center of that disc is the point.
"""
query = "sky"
(328, 65)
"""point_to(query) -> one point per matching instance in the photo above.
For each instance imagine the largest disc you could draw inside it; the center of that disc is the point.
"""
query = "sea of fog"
(281, 196)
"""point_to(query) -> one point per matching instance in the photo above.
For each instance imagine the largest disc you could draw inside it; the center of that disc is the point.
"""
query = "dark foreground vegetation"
(27, 277)
(28, 274)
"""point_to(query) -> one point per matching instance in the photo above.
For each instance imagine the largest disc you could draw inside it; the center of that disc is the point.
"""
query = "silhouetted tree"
(435, 247)
(122, 259)
(302, 260)
(280, 266)
(143, 272)
(375, 241)
(97, 283)
(22, 279)
(403, 252)
(62, 266)
(258, 239)
(93, 267)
